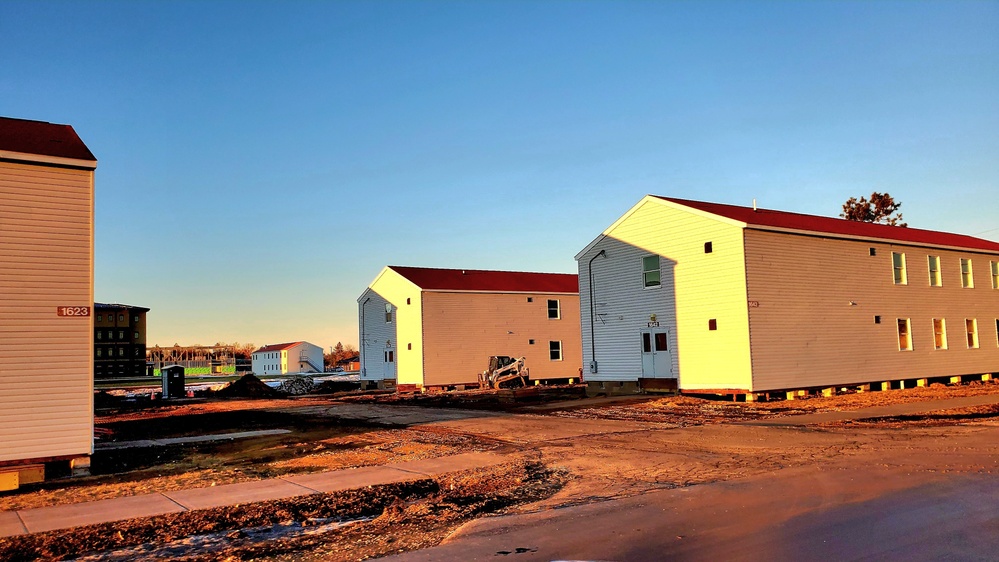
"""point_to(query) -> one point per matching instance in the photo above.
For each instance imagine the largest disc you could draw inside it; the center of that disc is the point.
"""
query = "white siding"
(818, 298)
(46, 365)
(696, 287)
(374, 335)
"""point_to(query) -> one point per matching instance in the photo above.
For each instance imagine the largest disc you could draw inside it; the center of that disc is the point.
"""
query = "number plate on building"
(73, 310)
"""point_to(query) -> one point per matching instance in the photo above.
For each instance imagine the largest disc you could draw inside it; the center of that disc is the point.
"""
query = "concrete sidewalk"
(37, 520)
(903, 409)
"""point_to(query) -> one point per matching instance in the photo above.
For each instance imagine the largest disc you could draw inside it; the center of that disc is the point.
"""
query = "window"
(934, 267)
(995, 274)
(135, 318)
(530, 342)
(898, 265)
(939, 333)
(877, 319)
(707, 248)
(121, 352)
(121, 317)
(407, 301)
(650, 271)
(98, 352)
(904, 337)
(530, 299)
(555, 350)
(121, 334)
(136, 334)
(713, 324)
(971, 326)
(874, 251)
(554, 313)
(100, 317)
(967, 279)
(99, 333)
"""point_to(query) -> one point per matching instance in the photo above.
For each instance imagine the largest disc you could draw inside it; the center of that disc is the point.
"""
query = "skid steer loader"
(504, 372)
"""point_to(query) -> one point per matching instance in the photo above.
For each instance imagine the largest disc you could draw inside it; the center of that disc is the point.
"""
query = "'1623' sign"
(73, 310)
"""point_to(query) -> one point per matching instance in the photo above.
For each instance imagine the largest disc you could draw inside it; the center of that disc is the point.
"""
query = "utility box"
(173, 381)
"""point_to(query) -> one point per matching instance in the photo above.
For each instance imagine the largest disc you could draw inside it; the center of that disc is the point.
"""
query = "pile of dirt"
(330, 387)
(248, 386)
(104, 399)
(297, 386)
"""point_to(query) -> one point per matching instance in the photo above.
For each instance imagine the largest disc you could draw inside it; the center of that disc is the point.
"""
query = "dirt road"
(753, 484)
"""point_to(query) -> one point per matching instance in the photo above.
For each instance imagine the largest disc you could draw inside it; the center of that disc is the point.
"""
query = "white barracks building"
(46, 300)
(711, 298)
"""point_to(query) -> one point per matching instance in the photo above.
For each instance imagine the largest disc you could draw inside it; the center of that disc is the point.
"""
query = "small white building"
(284, 358)
(46, 300)
(712, 298)
(436, 328)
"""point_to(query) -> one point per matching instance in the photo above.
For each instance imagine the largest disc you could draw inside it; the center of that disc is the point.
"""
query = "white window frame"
(898, 274)
(658, 271)
(994, 267)
(907, 334)
(941, 342)
(557, 309)
(936, 279)
(971, 330)
(967, 279)
(555, 346)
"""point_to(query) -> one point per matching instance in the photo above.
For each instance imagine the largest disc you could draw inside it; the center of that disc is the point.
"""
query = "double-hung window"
(939, 333)
(967, 278)
(898, 268)
(554, 312)
(904, 336)
(650, 271)
(555, 350)
(995, 274)
(971, 326)
(934, 265)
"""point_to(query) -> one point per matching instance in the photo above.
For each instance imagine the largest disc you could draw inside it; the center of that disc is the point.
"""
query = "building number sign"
(73, 310)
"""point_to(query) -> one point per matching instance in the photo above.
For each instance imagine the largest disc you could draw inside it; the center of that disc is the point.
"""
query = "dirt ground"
(619, 449)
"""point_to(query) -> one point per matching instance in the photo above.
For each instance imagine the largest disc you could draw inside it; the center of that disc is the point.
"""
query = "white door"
(389, 359)
(657, 362)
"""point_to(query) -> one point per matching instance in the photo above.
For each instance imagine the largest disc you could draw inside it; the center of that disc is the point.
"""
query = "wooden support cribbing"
(987, 377)
(886, 385)
(827, 392)
(922, 382)
(863, 388)
(791, 395)
(752, 397)
(955, 380)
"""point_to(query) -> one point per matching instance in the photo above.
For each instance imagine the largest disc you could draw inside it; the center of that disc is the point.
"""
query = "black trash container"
(173, 381)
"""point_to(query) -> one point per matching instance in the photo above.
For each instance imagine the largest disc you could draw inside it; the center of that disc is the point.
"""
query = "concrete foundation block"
(80, 466)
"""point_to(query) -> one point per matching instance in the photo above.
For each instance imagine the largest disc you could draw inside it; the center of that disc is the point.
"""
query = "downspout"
(593, 345)
(364, 355)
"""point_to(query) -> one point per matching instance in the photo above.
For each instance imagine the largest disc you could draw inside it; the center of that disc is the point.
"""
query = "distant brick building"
(119, 340)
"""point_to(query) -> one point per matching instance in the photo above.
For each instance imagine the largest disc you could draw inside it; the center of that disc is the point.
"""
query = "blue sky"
(259, 162)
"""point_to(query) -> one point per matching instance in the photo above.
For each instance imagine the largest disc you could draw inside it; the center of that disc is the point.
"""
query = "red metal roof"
(278, 347)
(41, 138)
(766, 218)
(492, 281)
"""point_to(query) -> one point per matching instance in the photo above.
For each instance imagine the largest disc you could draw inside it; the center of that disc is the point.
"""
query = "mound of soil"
(329, 387)
(248, 386)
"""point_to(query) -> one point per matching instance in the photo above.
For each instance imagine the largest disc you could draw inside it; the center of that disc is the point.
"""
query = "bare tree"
(880, 208)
